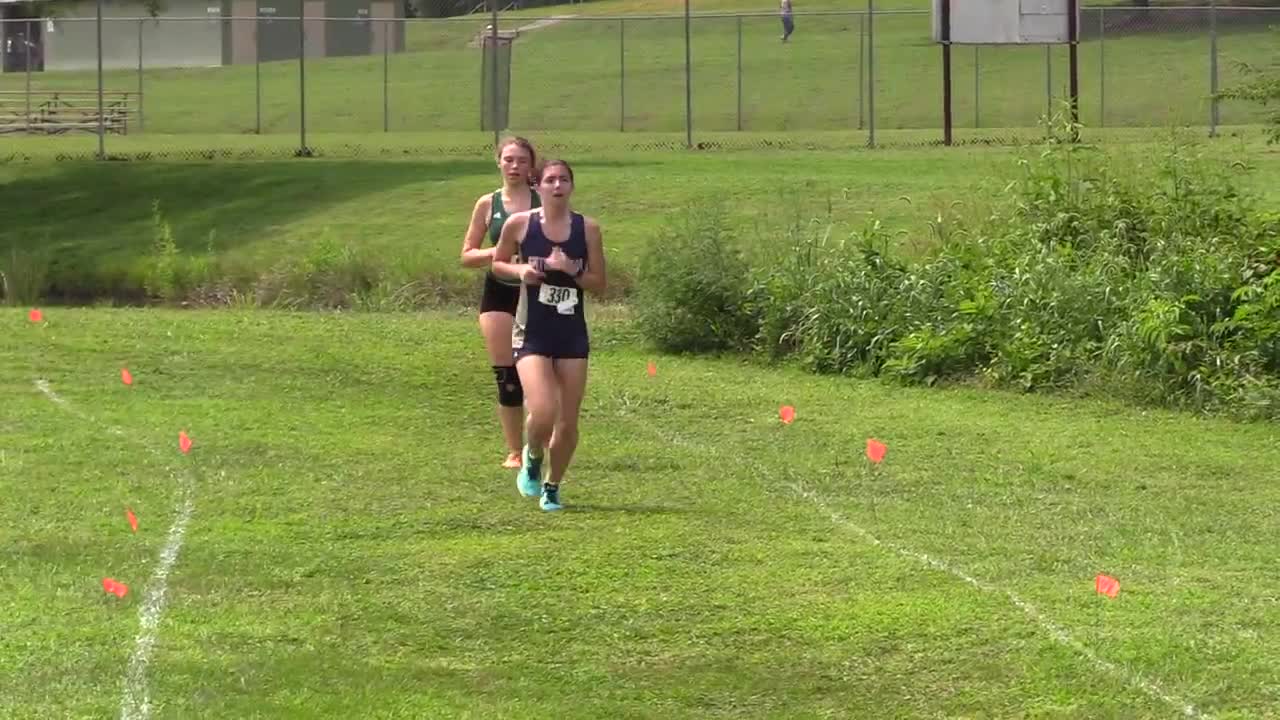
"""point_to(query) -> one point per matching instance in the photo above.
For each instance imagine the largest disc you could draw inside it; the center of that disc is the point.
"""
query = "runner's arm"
(473, 256)
(594, 277)
(505, 251)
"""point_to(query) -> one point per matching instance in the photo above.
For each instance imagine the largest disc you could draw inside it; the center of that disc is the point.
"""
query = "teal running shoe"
(550, 497)
(530, 476)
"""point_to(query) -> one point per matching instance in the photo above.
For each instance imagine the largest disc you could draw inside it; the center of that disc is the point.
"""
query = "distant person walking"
(788, 26)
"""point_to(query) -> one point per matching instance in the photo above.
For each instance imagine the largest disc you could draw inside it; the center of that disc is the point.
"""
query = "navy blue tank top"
(549, 318)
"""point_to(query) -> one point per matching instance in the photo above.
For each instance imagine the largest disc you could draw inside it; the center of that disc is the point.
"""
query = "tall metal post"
(29, 32)
(688, 80)
(1213, 68)
(386, 76)
(302, 78)
(977, 95)
(871, 72)
(102, 147)
(1048, 81)
(1102, 67)
(862, 61)
(142, 123)
(739, 73)
(257, 72)
(493, 70)
(622, 75)
(1073, 62)
(946, 72)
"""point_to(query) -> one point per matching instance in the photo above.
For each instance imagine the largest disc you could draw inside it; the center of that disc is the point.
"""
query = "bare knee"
(496, 328)
(567, 429)
(542, 412)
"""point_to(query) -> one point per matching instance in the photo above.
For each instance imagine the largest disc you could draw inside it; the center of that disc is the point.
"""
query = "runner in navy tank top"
(556, 254)
(549, 316)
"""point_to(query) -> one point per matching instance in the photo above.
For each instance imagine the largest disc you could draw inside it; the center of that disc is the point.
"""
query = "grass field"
(353, 547)
(341, 540)
(601, 71)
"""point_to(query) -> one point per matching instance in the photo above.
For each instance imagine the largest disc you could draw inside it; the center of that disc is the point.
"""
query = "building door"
(22, 45)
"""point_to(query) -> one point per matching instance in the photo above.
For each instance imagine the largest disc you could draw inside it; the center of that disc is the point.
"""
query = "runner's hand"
(557, 260)
(530, 275)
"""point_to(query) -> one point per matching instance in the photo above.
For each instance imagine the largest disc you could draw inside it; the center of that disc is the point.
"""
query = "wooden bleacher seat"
(54, 112)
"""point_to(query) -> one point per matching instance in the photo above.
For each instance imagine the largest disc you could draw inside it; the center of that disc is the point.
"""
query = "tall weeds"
(1155, 279)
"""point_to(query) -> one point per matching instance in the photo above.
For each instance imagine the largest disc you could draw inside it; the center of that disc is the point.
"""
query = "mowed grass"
(95, 218)
(356, 550)
(602, 71)
(406, 218)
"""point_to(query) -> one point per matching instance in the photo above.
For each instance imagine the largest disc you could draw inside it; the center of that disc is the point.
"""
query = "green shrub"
(1155, 279)
(692, 286)
(24, 276)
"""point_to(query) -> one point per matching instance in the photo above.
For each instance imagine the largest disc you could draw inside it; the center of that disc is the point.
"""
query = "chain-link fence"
(250, 78)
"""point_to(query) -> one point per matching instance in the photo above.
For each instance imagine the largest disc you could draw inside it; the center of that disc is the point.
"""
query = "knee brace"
(510, 391)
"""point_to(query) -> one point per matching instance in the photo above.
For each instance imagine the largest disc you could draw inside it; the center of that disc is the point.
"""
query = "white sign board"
(1005, 22)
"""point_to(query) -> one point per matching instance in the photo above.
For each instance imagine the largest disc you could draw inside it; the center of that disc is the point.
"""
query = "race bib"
(562, 298)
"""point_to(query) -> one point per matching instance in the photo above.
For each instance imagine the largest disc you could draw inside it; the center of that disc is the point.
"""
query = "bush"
(691, 293)
(1154, 279)
(1261, 85)
(24, 276)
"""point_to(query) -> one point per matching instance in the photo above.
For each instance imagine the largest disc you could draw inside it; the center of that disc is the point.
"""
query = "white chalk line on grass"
(1055, 630)
(137, 699)
(136, 703)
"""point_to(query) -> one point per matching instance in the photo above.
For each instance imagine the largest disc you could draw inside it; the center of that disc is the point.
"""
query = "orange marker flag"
(653, 369)
(184, 442)
(133, 519)
(126, 376)
(875, 450)
(787, 413)
(1106, 585)
(35, 315)
(118, 589)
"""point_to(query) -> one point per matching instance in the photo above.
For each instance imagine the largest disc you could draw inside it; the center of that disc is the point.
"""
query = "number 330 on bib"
(563, 298)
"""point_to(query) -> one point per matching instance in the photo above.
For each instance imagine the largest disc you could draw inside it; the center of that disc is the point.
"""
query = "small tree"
(1261, 85)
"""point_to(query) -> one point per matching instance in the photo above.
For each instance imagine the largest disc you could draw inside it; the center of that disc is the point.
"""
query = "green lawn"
(354, 547)
(605, 72)
(404, 219)
(409, 216)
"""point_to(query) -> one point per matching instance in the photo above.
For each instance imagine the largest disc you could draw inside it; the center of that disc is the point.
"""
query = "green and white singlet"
(497, 218)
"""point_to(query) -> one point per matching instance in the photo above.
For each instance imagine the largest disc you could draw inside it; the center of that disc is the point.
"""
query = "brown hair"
(519, 142)
(552, 163)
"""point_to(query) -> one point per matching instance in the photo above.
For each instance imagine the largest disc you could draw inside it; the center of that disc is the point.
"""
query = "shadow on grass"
(93, 221)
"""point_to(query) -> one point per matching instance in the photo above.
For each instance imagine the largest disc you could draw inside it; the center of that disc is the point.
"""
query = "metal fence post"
(688, 80)
(862, 29)
(1213, 68)
(1048, 81)
(871, 72)
(493, 70)
(30, 30)
(739, 73)
(102, 141)
(977, 96)
(302, 79)
(142, 122)
(257, 72)
(622, 75)
(1102, 68)
(386, 76)
(946, 72)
